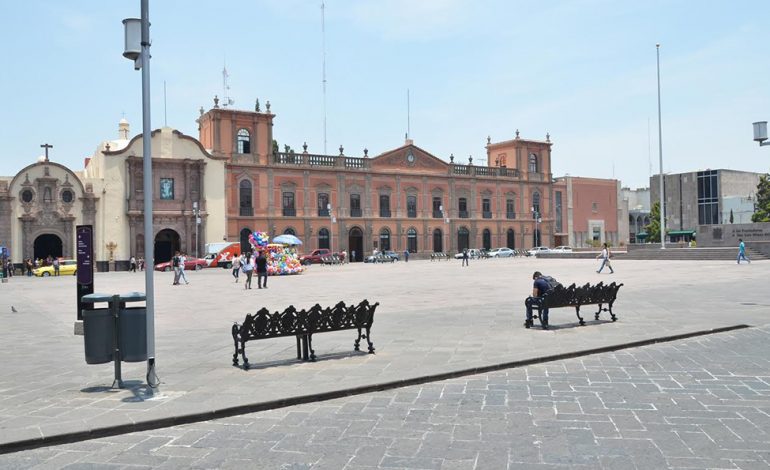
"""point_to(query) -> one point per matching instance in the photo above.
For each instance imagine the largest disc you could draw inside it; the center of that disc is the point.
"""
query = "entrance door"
(438, 241)
(486, 239)
(47, 245)
(356, 244)
(462, 239)
(510, 239)
(166, 244)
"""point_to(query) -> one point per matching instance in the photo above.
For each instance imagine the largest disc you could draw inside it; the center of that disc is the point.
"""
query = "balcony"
(355, 212)
(463, 214)
(246, 211)
(289, 212)
(437, 215)
(411, 213)
(384, 212)
(323, 212)
(510, 215)
(486, 215)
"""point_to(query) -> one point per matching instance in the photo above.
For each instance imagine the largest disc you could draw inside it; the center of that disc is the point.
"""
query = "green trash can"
(98, 331)
(133, 328)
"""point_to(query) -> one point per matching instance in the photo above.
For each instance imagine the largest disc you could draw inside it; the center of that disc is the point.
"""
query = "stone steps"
(678, 254)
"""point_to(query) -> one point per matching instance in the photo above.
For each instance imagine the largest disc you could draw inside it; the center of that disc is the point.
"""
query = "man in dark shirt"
(539, 288)
(261, 263)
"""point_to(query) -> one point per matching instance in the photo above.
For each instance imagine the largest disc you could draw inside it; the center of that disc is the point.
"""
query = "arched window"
(486, 239)
(384, 239)
(411, 240)
(244, 141)
(510, 239)
(323, 204)
(323, 238)
(290, 231)
(245, 197)
(463, 239)
(535, 205)
(438, 241)
(532, 163)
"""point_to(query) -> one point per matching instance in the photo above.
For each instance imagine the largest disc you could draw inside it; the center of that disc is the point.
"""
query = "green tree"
(653, 229)
(731, 216)
(762, 211)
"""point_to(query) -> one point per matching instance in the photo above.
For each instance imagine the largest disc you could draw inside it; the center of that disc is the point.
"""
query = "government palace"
(233, 179)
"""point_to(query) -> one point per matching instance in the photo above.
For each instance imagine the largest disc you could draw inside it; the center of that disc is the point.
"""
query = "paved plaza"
(612, 410)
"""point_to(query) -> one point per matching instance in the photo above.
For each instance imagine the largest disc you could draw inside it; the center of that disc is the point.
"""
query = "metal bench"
(577, 297)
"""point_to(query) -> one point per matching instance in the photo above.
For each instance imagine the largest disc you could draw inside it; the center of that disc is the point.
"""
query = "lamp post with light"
(536, 215)
(331, 227)
(197, 215)
(446, 221)
(137, 49)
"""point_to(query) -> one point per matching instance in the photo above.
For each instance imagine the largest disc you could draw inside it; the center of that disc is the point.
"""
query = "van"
(223, 257)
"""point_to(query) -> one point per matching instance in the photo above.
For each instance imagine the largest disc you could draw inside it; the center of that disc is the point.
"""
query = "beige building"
(42, 204)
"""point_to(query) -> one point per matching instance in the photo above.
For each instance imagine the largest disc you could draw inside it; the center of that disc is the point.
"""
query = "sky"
(582, 70)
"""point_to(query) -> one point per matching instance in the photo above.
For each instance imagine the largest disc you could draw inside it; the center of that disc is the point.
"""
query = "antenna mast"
(323, 69)
(408, 116)
(226, 101)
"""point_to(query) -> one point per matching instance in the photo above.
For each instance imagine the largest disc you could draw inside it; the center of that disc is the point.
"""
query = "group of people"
(29, 265)
(177, 262)
(248, 263)
(133, 263)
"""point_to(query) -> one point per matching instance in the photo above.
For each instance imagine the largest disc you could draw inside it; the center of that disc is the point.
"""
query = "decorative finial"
(267, 105)
(216, 101)
(517, 133)
(470, 160)
(547, 137)
(489, 140)
(256, 106)
(341, 150)
(451, 158)
(304, 147)
(107, 147)
(366, 152)
(201, 111)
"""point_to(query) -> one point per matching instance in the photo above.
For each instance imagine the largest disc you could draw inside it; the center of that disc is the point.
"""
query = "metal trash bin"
(98, 330)
(132, 329)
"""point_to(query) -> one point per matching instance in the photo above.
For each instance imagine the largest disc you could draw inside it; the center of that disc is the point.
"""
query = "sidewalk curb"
(107, 431)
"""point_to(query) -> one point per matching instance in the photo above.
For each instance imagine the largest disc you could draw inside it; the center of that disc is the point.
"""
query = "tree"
(731, 216)
(762, 211)
(653, 229)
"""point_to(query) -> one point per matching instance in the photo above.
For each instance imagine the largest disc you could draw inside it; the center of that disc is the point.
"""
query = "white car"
(473, 253)
(539, 249)
(562, 249)
(501, 253)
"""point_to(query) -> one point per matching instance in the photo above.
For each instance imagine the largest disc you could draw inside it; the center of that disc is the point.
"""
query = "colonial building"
(42, 204)
(589, 212)
(401, 199)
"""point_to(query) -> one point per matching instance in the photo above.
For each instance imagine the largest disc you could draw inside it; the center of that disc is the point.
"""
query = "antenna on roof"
(408, 115)
(323, 67)
(165, 115)
(226, 101)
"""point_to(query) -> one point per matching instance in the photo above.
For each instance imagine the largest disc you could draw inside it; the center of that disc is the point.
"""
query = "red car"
(190, 263)
(316, 257)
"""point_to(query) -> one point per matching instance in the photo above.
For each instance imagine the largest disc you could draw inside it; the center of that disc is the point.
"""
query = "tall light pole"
(196, 213)
(331, 227)
(660, 155)
(536, 214)
(446, 221)
(137, 48)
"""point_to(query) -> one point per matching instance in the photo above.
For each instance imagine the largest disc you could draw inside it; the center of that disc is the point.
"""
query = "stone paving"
(697, 403)
(433, 318)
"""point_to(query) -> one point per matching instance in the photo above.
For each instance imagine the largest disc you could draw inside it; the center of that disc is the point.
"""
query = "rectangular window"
(462, 206)
(708, 197)
(594, 207)
(510, 209)
(486, 208)
(167, 189)
(559, 222)
(323, 204)
(384, 205)
(437, 208)
(355, 205)
(288, 204)
(411, 206)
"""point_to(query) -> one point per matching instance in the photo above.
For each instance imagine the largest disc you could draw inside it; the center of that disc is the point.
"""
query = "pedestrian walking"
(55, 266)
(30, 267)
(261, 267)
(352, 255)
(236, 267)
(141, 263)
(465, 257)
(605, 255)
(175, 265)
(406, 256)
(132, 264)
(182, 275)
(248, 270)
(742, 252)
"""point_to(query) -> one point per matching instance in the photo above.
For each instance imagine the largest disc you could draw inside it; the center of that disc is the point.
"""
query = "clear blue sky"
(582, 70)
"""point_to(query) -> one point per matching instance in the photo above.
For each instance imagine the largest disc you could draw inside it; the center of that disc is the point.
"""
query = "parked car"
(385, 255)
(190, 264)
(66, 267)
(316, 256)
(539, 249)
(562, 249)
(501, 253)
(473, 253)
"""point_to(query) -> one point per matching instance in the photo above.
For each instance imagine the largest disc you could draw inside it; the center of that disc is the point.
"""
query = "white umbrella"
(287, 239)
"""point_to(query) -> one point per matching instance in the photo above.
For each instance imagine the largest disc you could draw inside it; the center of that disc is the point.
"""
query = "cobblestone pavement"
(697, 403)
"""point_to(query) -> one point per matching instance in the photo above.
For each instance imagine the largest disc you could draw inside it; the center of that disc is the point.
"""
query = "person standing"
(605, 256)
(175, 265)
(465, 257)
(56, 266)
(742, 251)
(30, 267)
(236, 267)
(261, 266)
(539, 288)
(406, 256)
(141, 263)
(248, 269)
(352, 255)
(132, 264)
(182, 260)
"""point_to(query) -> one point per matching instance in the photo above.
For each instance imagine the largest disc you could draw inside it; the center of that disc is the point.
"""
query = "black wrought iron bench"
(439, 256)
(573, 296)
(331, 259)
(303, 324)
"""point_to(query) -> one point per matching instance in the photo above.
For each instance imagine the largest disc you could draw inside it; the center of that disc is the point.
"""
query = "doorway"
(47, 245)
(356, 244)
(438, 241)
(166, 244)
(463, 239)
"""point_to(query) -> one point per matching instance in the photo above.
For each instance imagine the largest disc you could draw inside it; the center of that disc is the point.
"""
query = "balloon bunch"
(282, 260)
(259, 239)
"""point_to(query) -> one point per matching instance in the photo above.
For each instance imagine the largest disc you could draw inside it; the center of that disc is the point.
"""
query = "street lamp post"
(137, 49)
(536, 215)
(446, 221)
(760, 133)
(660, 156)
(331, 227)
(197, 213)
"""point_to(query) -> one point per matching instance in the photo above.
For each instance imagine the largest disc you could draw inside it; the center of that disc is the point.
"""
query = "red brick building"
(402, 199)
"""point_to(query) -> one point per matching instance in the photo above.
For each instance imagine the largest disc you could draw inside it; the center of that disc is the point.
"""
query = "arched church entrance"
(166, 244)
(356, 244)
(47, 245)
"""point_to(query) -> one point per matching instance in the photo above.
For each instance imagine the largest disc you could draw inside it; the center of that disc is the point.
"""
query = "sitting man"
(539, 288)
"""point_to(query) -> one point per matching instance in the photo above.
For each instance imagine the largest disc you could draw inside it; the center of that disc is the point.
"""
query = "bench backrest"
(584, 295)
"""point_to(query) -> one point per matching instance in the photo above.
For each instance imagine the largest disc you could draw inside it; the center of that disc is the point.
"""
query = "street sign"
(85, 262)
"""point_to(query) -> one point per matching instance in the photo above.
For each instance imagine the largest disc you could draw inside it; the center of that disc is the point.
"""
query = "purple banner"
(85, 254)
